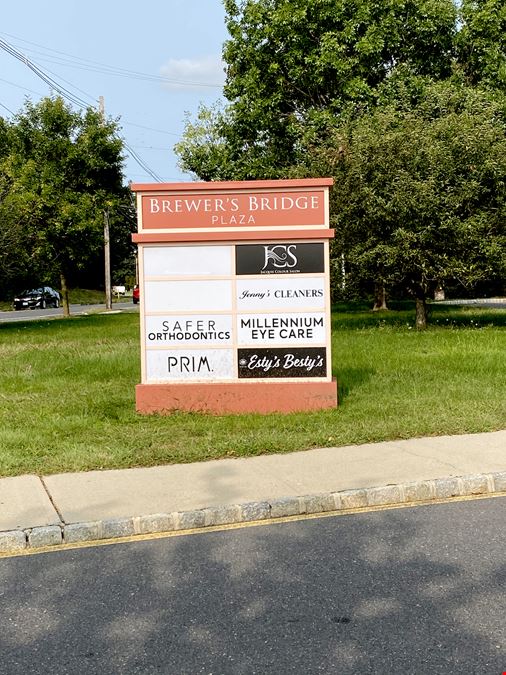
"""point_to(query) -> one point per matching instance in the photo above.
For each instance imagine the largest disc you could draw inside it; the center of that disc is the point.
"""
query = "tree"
(290, 62)
(204, 150)
(420, 195)
(62, 170)
(401, 101)
(481, 42)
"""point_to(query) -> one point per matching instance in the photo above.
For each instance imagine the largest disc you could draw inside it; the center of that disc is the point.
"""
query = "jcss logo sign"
(275, 258)
(280, 256)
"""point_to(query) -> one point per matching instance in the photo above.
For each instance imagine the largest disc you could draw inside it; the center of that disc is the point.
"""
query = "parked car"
(38, 297)
(135, 294)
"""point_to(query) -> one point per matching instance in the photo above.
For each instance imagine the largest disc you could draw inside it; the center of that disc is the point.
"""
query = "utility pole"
(107, 247)
(107, 258)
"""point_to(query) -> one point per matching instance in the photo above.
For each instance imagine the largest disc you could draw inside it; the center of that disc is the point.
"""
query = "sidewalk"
(74, 507)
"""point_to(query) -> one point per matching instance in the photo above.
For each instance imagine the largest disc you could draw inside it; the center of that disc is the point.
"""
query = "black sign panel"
(297, 362)
(285, 258)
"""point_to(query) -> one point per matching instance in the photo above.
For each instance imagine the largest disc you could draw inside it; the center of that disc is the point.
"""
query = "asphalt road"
(414, 590)
(31, 314)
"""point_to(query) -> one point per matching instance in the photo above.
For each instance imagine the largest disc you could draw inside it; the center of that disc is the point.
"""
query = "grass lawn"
(67, 392)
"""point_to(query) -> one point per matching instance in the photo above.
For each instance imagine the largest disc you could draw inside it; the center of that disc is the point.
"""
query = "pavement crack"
(50, 497)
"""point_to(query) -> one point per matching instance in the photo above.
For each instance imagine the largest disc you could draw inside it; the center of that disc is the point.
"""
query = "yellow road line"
(236, 526)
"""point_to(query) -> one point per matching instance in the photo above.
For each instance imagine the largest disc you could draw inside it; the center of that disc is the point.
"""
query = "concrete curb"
(13, 541)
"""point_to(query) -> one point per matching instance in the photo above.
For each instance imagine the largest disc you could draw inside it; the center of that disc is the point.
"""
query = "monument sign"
(234, 296)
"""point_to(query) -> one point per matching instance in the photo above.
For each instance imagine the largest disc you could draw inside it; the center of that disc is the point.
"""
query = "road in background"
(406, 591)
(75, 310)
(483, 303)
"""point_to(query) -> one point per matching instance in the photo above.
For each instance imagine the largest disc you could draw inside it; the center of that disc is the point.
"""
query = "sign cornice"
(242, 186)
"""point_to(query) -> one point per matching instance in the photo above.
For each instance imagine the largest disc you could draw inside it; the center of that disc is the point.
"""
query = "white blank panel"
(187, 261)
(188, 296)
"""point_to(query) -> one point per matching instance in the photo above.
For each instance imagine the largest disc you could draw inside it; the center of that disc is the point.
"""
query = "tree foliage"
(420, 196)
(291, 61)
(204, 151)
(403, 102)
(481, 42)
(60, 170)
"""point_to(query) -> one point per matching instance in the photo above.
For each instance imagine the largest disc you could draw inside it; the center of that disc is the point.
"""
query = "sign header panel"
(234, 210)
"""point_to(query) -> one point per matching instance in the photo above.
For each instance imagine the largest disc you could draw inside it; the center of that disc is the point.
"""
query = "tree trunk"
(65, 295)
(421, 314)
(380, 297)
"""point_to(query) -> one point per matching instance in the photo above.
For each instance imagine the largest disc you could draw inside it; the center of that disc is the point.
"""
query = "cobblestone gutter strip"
(403, 493)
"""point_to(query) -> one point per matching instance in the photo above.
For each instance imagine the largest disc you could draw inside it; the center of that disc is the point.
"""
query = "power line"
(151, 147)
(6, 108)
(69, 96)
(98, 67)
(20, 87)
(142, 163)
(73, 85)
(123, 122)
(129, 74)
(160, 131)
(166, 179)
(42, 75)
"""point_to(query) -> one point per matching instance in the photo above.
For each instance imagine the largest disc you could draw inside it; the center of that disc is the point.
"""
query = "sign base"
(236, 398)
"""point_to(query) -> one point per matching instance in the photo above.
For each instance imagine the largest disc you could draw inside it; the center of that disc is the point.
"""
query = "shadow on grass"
(349, 379)
(401, 314)
(466, 316)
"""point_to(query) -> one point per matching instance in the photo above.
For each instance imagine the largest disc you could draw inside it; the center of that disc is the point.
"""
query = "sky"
(152, 62)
